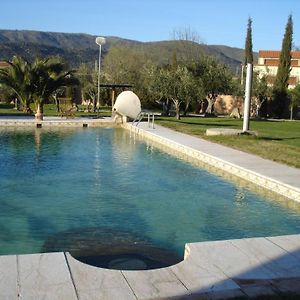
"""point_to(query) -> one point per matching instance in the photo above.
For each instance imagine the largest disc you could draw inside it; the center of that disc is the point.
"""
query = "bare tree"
(188, 41)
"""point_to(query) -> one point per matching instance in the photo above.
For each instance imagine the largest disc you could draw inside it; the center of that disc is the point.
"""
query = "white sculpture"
(128, 104)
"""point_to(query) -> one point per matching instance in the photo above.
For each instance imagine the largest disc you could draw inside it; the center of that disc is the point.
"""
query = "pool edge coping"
(266, 182)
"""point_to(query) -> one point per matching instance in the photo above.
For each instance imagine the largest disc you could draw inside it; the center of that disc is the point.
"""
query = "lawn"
(50, 110)
(277, 140)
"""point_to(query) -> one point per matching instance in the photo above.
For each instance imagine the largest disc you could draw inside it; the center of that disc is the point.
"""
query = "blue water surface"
(79, 182)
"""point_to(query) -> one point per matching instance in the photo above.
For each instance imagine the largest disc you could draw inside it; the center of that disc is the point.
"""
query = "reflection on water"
(239, 197)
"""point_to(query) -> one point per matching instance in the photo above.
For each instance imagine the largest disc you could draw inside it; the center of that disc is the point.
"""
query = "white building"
(268, 61)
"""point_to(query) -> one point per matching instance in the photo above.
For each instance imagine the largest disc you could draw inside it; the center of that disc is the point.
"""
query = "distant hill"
(79, 48)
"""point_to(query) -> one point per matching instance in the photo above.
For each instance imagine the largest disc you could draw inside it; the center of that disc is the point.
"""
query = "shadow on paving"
(277, 278)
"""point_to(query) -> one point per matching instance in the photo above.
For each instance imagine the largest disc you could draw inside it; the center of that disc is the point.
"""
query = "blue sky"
(215, 21)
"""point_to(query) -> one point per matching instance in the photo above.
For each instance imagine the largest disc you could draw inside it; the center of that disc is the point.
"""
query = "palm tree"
(37, 81)
(18, 77)
(49, 75)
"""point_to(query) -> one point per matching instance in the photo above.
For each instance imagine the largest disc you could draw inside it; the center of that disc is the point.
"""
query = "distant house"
(3, 64)
(268, 61)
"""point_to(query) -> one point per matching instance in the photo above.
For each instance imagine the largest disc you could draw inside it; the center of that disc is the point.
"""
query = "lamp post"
(99, 41)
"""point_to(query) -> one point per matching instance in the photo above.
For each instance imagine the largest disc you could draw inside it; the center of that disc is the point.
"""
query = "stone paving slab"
(290, 243)
(153, 284)
(271, 256)
(95, 283)
(200, 276)
(210, 270)
(45, 276)
(8, 277)
(232, 261)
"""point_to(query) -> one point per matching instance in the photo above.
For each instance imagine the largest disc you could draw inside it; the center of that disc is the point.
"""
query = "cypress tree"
(248, 44)
(280, 96)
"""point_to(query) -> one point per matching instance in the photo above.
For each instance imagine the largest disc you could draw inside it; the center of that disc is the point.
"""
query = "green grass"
(8, 110)
(277, 140)
(50, 110)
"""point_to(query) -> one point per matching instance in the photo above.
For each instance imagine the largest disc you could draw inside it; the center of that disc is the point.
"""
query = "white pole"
(99, 68)
(152, 121)
(247, 97)
(99, 41)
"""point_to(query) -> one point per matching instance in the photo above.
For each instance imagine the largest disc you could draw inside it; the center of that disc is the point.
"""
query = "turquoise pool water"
(89, 190)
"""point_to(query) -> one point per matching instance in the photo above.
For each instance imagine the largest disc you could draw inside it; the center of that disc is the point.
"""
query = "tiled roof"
(3, 64)
(276, 54)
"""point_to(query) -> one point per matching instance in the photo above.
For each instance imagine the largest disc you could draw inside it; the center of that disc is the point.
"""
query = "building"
(268, 61)
(3, 64)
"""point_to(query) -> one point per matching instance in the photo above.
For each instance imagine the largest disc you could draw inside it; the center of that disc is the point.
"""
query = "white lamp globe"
(100, 40)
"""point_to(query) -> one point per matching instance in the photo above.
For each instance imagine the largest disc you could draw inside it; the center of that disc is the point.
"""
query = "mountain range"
(79, 48)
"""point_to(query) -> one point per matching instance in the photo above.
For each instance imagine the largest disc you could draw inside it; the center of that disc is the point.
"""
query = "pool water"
(100, 192)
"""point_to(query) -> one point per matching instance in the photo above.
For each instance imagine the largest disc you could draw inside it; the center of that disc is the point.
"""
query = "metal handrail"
(141, 115)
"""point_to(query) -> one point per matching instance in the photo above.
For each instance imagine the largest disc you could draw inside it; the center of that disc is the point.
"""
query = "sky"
(215, 22)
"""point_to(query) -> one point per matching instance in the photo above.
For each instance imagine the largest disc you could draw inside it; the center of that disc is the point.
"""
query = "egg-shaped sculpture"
(128, 104)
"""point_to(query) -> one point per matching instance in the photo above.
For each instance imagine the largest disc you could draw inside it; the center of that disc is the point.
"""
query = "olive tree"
(173, 84)
(295, 99)
(88, 81)
(262, 94)
(128, 65)
(216, 79)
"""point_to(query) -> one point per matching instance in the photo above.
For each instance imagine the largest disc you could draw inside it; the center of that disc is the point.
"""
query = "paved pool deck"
(276, 177)
(210, 270)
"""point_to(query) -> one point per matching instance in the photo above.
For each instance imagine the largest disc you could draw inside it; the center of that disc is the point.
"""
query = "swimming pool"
(99, 191)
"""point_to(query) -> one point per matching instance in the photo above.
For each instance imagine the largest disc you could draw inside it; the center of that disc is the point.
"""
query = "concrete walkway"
(276, 177)
(211, 270)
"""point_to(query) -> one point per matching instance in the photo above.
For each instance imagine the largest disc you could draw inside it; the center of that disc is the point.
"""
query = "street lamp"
(99, 41)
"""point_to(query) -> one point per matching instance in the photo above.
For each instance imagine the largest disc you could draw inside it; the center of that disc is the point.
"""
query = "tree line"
(188, 81)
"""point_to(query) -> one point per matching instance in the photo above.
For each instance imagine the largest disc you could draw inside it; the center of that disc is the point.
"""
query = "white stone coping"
(210, 270)
(276, 186)
(56, 122)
